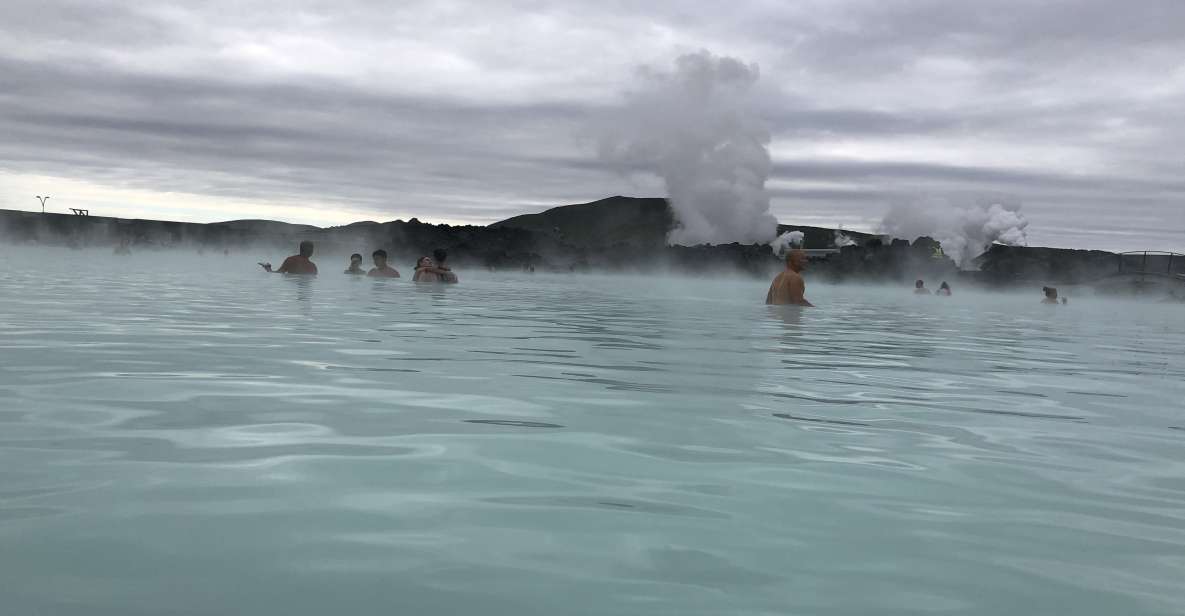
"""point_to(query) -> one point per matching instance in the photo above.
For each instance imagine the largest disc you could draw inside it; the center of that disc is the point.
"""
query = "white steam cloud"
(842, 239)
(964, 231)
(696, 128)
(786, 241)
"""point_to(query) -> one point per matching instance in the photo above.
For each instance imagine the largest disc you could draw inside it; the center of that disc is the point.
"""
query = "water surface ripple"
(191, 437)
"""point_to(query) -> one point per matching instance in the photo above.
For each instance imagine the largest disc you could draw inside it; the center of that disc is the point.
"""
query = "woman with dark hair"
(428, 270)
(355, 268)
(944, 289)
(425, 271)
(1050, 295)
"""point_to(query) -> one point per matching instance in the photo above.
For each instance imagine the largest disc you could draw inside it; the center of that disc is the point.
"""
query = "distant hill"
(615, 221)
(639, 222)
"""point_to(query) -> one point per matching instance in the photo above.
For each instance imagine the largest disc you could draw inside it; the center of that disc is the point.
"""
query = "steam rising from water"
(964, 231)
(695, 127)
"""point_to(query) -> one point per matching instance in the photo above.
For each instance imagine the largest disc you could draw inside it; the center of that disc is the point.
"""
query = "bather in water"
(425, 271)
(355, 268)
(444, 273)
(788, 288)
(381, 269)
(296, 264)
(430, 270)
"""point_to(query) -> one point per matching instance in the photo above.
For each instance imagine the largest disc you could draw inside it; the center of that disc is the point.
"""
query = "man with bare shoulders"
(788, 288)
(433, 269)
(296, 264)
(439, 256)
(381, 269)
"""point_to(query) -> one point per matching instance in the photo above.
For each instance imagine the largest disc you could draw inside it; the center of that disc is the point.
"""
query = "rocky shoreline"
(615, 234)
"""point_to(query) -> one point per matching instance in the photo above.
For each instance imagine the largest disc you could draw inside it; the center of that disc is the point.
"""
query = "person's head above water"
(919, 284)
(306, 248)
(1049, 292)
(440, 255)
(944, 286)
(380, 257)
(425, 262)
(355, 265)
(796, 260)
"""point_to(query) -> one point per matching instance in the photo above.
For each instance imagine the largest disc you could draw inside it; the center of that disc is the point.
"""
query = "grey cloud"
(1016, 179)
(146, 95)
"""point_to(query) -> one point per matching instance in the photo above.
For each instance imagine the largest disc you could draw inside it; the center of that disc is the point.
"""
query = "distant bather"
(355, 268)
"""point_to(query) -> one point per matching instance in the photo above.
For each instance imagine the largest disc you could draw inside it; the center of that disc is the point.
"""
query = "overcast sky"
(331, 111)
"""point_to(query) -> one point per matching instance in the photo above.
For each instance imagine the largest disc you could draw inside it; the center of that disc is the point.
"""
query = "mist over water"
(189, 434)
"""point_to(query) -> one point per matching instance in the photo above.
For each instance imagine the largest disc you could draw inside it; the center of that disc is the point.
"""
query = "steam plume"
(786, 241)
(842, 239)
(695, 127)
(964, 231)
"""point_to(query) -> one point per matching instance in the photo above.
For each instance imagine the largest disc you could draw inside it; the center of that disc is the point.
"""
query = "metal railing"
(1154, 262)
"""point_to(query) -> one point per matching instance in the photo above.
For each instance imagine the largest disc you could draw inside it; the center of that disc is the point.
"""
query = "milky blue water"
(193, 436)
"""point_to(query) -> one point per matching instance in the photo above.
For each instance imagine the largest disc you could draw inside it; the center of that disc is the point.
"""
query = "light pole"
(43, 200)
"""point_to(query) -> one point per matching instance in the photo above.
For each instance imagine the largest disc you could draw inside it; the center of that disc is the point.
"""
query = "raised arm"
(442, 275)
(284, 267)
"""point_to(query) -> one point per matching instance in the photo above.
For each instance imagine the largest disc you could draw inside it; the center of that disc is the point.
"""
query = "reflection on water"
(176, 440)
(790, 316)
(304, 286)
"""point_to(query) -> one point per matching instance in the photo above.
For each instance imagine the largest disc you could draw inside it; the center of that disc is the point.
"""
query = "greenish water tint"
(196, 437)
